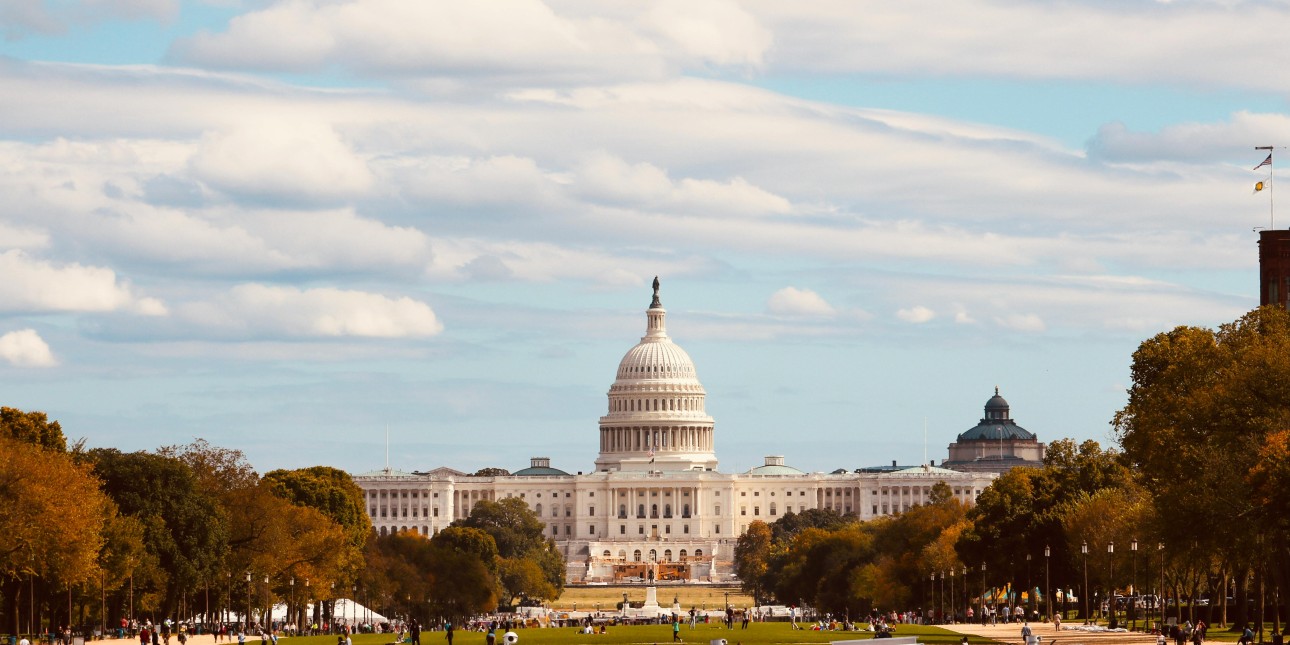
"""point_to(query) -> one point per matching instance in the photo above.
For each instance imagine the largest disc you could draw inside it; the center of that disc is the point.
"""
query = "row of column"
(838, 500)
(636, 497)
(674, 438)
(463, 499)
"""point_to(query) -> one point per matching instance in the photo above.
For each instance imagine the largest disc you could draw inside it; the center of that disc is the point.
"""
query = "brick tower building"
(1274, 267)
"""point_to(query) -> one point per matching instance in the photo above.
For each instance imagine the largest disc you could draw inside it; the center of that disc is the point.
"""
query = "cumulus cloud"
(21, 18)
(36, 286)
(607, 178)
(257, 310)
(25, 348)
(1136, 42)
(917, 315)
(791, 301)
(524, 42)
(296, 161)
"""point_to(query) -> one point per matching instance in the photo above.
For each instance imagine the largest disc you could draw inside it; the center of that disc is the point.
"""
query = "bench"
(894, 640)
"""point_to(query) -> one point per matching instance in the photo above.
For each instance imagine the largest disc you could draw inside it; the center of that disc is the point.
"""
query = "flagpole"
(1272, 217)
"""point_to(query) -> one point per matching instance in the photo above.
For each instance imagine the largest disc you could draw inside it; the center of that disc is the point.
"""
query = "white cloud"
(297, 160)
(20, 18)
(607, 178)
(791, 301)
(1187, 43)
(1021, 322)
(36, 285)
(257, 310)
(25, 348)
(523, 42)
(917, 314)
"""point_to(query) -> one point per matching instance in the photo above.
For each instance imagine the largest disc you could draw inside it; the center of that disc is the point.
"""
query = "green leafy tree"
(752, 555)
(185, 527)
(1204, 428)
(519, 534)
(788, 526)
(328, 490)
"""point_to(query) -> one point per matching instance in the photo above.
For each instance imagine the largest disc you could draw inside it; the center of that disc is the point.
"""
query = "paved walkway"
(1011, 634)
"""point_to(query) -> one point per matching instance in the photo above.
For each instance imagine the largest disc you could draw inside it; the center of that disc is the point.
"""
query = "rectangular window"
(718, 529)
(743, 510)
(685, 528)
(555, 530)
(640, 530)
(591, 511)
(592, 529)
(568, 530)
(436, 511)
(667, 529)
(622, 529)
(875, 510)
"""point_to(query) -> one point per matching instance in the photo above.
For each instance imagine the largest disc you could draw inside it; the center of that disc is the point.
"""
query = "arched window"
(685, 511)
(772, 508)
(653, 511)
(640, 510)
(653, 555)
(636, 555)
(622, 555)
(622, 511)
(555, 510)
(605, 554)
(682, 555)
(667, 555)
(667, 510)
(538, 510)
(698, 553)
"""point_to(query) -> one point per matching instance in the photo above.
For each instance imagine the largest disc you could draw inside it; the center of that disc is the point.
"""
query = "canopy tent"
(344, 610)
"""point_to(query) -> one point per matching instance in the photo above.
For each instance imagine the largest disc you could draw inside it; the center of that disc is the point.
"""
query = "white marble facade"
(656, 494)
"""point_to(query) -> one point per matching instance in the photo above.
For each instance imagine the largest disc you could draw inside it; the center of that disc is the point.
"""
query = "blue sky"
(287, 226)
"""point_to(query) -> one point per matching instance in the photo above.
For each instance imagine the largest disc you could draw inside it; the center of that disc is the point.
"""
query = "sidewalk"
(1011, 634)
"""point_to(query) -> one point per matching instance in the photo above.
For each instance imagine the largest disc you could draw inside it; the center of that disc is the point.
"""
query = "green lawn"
(756, 634)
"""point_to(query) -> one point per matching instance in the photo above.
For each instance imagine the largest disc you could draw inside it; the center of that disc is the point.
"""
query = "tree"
(330, 491)
(518, 534)
(1204, 428)
(32, 427)
(792, 523)
(752, 554)
(185, 526)
(51, 517)
(524, 578)
(491, 472)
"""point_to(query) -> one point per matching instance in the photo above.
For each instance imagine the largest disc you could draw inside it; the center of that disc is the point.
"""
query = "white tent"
(345, 610)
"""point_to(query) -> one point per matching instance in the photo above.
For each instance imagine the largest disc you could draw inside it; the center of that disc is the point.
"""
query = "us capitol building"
(656, 496)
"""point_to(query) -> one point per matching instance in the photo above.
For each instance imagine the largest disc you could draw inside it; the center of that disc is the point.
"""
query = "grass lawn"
(756, 634)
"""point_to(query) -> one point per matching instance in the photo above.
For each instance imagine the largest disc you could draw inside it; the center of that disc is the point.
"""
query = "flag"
(1265, 162)
(1258, 186)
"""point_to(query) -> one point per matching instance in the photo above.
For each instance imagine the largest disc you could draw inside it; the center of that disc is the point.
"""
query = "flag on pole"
(1258, 185)
(1265, 162)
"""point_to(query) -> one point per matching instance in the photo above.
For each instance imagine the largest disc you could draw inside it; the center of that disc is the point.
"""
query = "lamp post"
(931, 602)
(291, 605)
(1160, 597)
(1048, 586)
(954, 606)
(943, 621)
(246, 618)
(1030, 589)
(1084, 550)
(967, 602)
(1133, 581)
(1110, 579)
(982, 593)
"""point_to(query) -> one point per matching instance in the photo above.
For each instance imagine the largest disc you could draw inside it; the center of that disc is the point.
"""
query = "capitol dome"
(656, 418)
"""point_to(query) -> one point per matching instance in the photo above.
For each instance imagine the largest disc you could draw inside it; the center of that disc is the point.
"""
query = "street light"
(943, 621)
(982, 593)
(1084, 549)
(292, 604)
(967, 602)
(931, 602)
(246, 618)
(1110, 579)
(1030, 589)
(1133, 604)
(954, 605)
(1048, 585)
(1160, 597)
